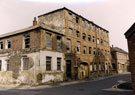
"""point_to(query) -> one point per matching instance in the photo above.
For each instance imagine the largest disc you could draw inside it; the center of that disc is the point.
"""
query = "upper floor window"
(78, 46)
(84, 36)
(68, 45)
(90, 50)
(1, 45)
(98, 52)
(94, 51)
(89, 38)
(48, 40)
(70, 16)
(97, 40)
(8, 44)
(83, 23)
(70, 24)
(0, 65)
(88, 26)
(70, 31)
(84, 50)
(77, 19)
(26, 40)
(93, 28)
(93, 39)
(101, 42)
(77, 33)
(59, 42)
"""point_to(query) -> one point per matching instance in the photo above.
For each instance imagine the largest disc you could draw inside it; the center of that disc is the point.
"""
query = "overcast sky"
(116, 16)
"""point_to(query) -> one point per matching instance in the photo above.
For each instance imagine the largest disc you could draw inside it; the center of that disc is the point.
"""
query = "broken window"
(90, 50)
(68, 44)
(89, 38)
(84, 36)
(26, 40)
(1, 45)
(58, 63)
(48, 63)
(48, 40)
(84, 50)
(8, 44)
(77, 33)
(78, 46)
(59, 42)
(25, 63)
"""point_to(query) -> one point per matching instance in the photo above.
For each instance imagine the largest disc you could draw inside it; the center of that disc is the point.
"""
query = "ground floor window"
(48, 63)
(58, 63)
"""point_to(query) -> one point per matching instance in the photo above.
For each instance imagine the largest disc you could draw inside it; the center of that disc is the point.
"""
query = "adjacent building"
(62, 45)
(130, 35)
(120, 60)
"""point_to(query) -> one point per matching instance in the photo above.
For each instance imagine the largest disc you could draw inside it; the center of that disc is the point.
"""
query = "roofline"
(31, 28)
(64, 8)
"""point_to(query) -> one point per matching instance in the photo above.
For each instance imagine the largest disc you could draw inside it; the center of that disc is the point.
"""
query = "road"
(98, 87)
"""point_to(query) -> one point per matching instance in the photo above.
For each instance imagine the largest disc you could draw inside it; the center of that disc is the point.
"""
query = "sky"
(116, 16)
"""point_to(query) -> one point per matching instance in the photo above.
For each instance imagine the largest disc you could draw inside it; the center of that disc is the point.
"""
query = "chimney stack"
(112, 46)
(34, 21)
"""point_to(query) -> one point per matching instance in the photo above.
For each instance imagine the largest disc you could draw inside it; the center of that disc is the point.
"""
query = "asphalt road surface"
(98, 87)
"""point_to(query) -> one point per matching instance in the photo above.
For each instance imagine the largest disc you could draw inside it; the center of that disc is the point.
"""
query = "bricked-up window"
(0, 65)
(1, 45)
(25, 63)
(84, 50)
(77, 34)
(70, 16)
(8, 44)
(68, 45)
(78, 47)
(59, 43)
(48, 63)
(26, 40)
(48, 40)
(89, 38)
(94, 51)
(77, 19)
(58, 63)
(83, 36)
(93, 39)
(90, 50)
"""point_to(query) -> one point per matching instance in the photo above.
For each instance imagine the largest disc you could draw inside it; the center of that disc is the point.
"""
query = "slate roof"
(116, 49)
(29, 29)
(130, 31)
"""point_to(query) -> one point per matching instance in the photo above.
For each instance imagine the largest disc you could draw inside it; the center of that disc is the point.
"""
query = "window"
(94, 51)
(71, 25)
(99, 66)
(89, 38)
(48, 40)
(84, 50)
(93, 28)
(70, 16)
(68, 44)
(83, 23)
(7, 65)
(1, 45)
(78, 46)
(95, 67)
(70, 31)
(0, 65)
(119, 66)
(88, 26)
(90, 67)
(101, 42)
(48, 63)
(90, 50)
(113, 66)
(97, 40)
(25, 63)
(8, 44)
(26, 41)
(102, 52)
(98, 52)
(58, 63)
(59, 42)
(77, 19)
(84, 36)
(93, 40)
(77, 33)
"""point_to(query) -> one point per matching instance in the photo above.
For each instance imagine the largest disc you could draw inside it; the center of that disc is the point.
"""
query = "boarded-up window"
(26, 40)
(58, 63)
(1, 45)
(59, 42)
(25, 63)
(68, 44)
(48, 63)
(48, 40)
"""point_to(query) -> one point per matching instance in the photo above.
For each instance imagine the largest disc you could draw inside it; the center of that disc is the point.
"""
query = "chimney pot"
(34, 21)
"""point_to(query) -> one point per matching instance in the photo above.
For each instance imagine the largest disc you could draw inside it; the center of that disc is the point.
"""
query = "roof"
(29, 29)
(130, 31)
(116, 49)
(64, 8)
